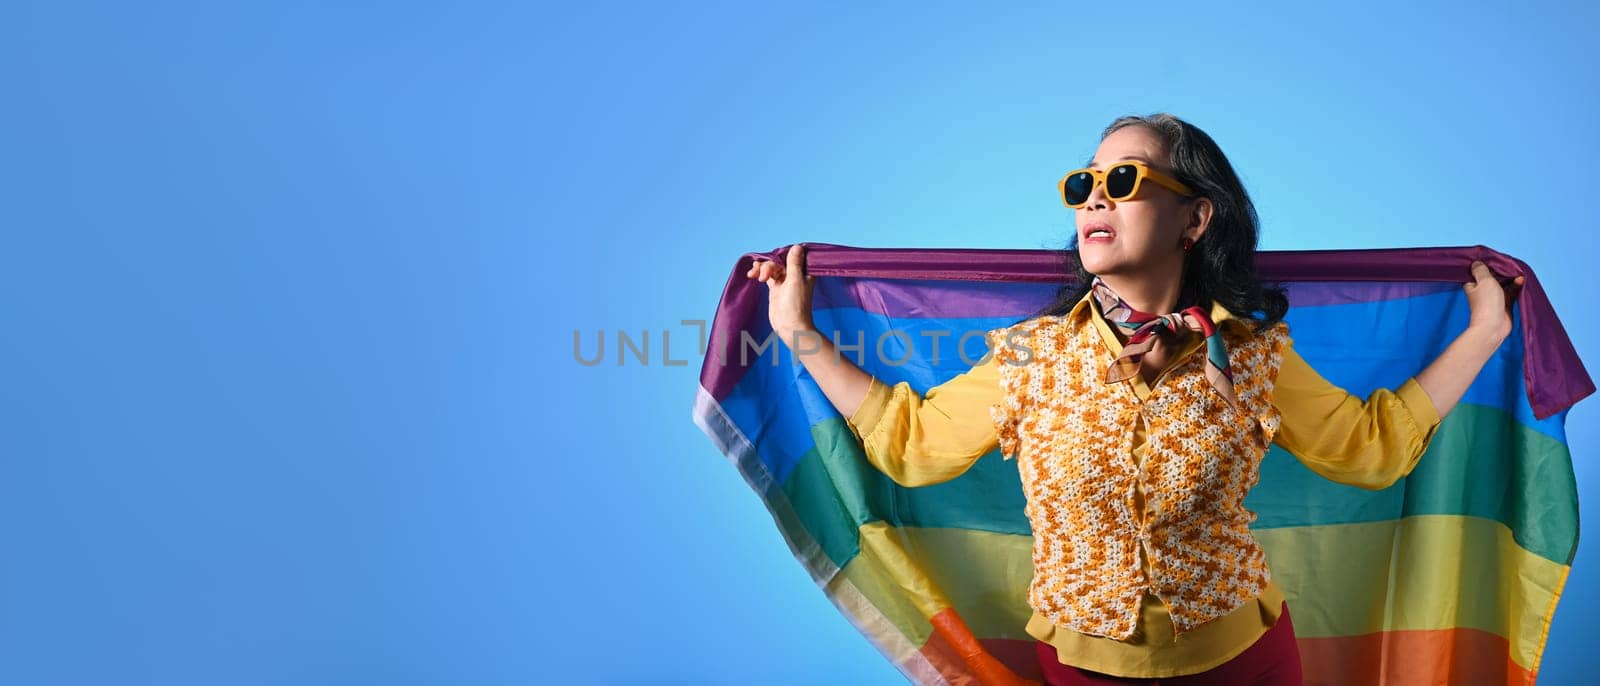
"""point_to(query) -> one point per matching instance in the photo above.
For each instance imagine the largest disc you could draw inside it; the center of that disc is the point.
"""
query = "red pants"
(1273, 660)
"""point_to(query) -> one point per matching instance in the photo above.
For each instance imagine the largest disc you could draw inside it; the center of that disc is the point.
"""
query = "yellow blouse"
(925, 439)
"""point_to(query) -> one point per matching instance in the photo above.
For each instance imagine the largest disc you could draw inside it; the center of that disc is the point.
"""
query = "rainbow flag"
(1450, 575)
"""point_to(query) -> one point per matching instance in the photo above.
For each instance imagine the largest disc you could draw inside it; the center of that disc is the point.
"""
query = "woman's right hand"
(788, 293)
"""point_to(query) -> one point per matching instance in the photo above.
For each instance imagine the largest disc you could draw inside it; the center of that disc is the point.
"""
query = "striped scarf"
(1145, 326)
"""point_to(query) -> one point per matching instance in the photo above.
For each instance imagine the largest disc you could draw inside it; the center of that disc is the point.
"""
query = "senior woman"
(1139, 405)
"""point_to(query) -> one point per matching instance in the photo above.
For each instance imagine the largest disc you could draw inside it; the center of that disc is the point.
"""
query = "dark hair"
(1221, 266)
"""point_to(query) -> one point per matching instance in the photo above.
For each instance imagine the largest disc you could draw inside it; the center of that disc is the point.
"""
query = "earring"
(1187, 243)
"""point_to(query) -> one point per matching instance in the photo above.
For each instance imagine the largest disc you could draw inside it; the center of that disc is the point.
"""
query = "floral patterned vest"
(1072, 436)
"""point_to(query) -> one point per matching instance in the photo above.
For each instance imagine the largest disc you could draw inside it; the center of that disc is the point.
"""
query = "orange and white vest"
(1072, 435)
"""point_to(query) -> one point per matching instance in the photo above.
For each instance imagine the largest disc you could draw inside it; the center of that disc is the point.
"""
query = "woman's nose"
(1097, 198)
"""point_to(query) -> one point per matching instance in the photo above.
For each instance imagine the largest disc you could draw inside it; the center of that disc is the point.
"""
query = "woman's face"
(1147, 230)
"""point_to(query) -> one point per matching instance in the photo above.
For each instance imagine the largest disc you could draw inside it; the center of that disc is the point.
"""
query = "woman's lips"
(1090, 235)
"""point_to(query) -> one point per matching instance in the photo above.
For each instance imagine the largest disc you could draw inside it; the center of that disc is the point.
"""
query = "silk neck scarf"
(1145, 326)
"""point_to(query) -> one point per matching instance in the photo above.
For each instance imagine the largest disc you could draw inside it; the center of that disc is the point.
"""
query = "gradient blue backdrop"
(290, 290)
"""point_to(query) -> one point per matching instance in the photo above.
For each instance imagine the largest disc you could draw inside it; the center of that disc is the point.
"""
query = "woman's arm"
(1374, 443)
(922, 439)
(1368, 443)
(1448, 377)
(915, 439)
(789, 290)
(845, 384)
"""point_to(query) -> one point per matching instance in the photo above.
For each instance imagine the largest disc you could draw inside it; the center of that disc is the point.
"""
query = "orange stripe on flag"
(956, 653)
(1401, 658)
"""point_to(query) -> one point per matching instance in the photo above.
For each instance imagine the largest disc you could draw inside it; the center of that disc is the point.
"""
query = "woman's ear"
(1200, 212)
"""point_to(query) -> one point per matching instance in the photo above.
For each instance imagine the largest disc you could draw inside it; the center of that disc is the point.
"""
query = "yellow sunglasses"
(1122, 181)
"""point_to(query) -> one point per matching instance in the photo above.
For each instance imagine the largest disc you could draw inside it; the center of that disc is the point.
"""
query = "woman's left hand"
(1490, 302)
(1446, 379)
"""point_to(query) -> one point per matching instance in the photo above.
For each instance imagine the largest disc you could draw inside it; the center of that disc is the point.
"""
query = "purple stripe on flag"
(1320, 293)
(931, 299)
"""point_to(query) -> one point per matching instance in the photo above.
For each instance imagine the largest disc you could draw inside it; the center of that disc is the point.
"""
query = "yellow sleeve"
(921, 439)
(1369, 444)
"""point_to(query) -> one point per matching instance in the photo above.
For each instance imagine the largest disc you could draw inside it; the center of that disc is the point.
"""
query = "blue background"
(290, 292)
